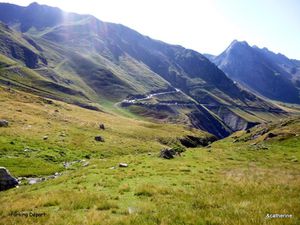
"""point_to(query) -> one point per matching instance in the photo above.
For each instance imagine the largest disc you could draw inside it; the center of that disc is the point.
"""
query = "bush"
(178, 148)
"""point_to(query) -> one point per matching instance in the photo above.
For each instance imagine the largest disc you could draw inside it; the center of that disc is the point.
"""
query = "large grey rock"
(7, 181)
(3, 123)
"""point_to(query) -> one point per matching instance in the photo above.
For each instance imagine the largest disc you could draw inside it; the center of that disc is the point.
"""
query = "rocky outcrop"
(234, 121)
(3, 123)
(7, 181)
(202, 119)
(193, 141)
(167, 153)
(35, 180)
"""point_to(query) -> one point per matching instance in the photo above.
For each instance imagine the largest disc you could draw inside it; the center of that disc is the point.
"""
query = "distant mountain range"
(272, 75)
(82, 60)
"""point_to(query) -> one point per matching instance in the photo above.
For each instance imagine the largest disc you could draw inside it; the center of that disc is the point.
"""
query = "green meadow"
(236, 180)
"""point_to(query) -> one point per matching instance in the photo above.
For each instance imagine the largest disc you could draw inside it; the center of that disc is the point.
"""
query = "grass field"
(235, 181)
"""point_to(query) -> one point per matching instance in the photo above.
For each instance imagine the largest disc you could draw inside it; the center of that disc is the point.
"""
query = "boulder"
(123, 165)
(57, 174)
(3, 123)
(101, 126)
(7, 181)
(99, 138)
(167, 153)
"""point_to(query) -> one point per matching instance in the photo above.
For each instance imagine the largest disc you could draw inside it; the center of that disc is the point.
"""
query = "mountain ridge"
(271, 75)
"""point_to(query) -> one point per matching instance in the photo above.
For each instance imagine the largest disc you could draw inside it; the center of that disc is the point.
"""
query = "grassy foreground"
(235, 181)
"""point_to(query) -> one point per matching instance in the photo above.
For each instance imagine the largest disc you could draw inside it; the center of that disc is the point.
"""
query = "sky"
(207, 26)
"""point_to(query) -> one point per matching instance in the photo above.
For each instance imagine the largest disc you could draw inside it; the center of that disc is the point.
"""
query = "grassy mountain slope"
(237, 180)
(71, 131)
(15, 45)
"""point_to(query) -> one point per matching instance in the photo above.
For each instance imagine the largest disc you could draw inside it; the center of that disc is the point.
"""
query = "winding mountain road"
(137, 101)
(149, 96)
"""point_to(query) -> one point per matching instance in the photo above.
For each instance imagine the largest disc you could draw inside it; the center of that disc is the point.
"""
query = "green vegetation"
(70, 132)
(237, 180)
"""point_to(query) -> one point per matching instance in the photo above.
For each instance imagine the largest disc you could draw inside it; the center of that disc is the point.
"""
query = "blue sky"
(207, 26)
(271, 23)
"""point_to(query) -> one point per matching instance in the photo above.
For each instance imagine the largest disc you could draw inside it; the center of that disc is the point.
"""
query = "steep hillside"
(271, 75)
(90, 62)
(15, 45)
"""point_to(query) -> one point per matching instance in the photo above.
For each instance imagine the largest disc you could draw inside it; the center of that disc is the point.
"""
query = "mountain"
(272, 75)
(209, 56)
(82, 60)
